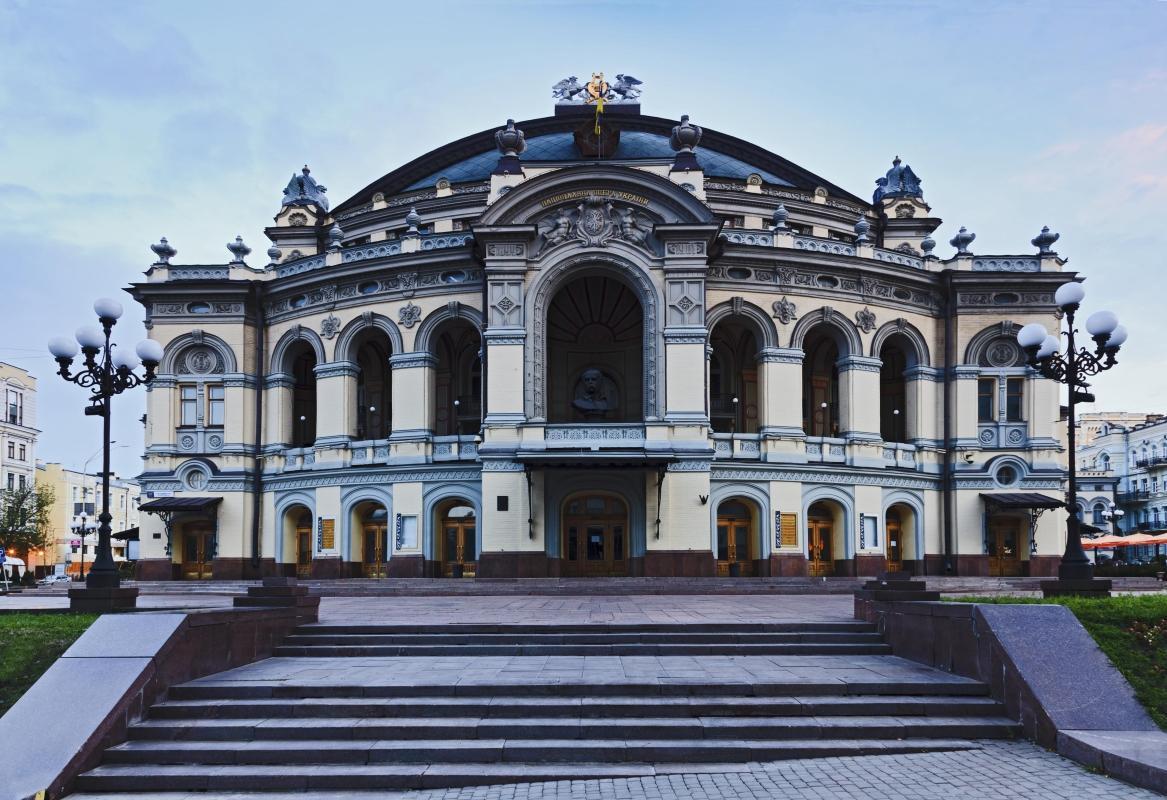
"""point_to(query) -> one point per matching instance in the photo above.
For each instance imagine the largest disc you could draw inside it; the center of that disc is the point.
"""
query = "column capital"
(336, 369)
(411, 360)
(858, 364)
(781, 355)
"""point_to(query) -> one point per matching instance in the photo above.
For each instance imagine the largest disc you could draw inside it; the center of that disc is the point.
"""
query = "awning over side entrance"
(192, 504)
(1022, 500)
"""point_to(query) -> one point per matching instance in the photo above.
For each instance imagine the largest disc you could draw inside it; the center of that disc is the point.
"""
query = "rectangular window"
(11, 481)
(22, 483)
(15, 408)
(986, 390)
(215, 397)
(23, 453)
(1014, 393)
(189, 405)
(12, 449)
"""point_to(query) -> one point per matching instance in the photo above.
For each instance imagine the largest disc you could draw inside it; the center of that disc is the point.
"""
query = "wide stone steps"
(587, 706)
(391, 707)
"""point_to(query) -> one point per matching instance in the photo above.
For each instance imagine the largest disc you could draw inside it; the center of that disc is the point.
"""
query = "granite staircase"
(367, 707)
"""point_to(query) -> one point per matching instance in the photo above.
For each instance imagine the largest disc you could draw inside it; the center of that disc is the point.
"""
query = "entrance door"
(595, 535)
(1004, 547)
(373, 553)
(459, 543)
(303, 552)
(198, 549)
(895, 542)
(818, 545)
(736, 552)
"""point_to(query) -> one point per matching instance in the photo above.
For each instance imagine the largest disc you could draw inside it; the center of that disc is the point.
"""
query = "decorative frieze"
(1006, 264)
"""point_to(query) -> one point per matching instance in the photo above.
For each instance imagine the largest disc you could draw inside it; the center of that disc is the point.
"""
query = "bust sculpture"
(595, 394)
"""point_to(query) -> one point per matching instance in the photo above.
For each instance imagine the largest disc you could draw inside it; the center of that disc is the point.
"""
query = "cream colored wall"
(507, 531)
(684, 521)
(504, 378)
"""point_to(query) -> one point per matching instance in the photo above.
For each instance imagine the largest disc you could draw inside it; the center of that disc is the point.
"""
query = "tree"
(24, 518)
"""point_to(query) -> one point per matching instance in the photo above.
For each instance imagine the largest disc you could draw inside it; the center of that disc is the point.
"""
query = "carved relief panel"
(505, 299)
(686, 302)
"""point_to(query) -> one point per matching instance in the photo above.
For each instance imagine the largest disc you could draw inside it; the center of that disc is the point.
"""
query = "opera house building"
(601, 343)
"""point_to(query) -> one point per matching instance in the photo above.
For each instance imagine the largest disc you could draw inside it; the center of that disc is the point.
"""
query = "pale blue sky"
(121, 122)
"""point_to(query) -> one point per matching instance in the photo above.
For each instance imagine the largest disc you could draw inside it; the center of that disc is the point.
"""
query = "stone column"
(923, 414)
(277, 410)
(965, 389)
(336, 393)
(780, 387)
(859, 398)
(413, 405)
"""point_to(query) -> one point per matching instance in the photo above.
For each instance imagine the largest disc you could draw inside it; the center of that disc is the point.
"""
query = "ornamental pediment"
(595, 221)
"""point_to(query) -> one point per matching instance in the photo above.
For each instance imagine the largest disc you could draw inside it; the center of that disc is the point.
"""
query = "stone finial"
(273, 254)
(510, 140)
(303, 190)
(684, 140)
(164, 251)
(412, 219)
(928, 245)
(862, 226)
(239, 250)
(900, 181)
(962, 240)
(1043, 241)
(780, 217)
(335, 234)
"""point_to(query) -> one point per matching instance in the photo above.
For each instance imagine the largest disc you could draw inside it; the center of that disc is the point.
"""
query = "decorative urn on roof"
(165, 252)
(239, 250)
(1043, 241)
(303, 190)
(511, 142)
(684, 140)
(962, 240)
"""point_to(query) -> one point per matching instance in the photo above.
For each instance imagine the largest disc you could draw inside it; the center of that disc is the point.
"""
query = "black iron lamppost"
(1072, 367)
(108, 371)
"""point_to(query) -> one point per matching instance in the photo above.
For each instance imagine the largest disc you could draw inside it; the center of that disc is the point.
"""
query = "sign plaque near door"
(325, 534)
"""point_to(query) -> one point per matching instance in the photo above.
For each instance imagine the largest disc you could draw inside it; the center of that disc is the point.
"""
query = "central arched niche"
(595, 352)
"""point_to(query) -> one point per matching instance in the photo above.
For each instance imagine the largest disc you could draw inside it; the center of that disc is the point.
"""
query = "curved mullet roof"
(401, 179)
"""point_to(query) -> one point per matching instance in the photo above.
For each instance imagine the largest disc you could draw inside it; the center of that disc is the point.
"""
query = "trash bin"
(735, 570)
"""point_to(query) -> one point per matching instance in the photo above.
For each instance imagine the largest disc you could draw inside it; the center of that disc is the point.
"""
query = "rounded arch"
(902, 331)
(435, 496)
(662, 197)
(573, 265)
(755, 318)
(349, 501)
(284, 548)
(974, 352)
(297, 333)
(450, 311)
(346, 343)
(845, 502)
(758, 497)
(846, 334)
(196, 338)
(557, 491)
(916, 504)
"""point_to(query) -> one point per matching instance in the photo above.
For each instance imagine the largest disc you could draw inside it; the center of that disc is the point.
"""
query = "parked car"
(50, 580)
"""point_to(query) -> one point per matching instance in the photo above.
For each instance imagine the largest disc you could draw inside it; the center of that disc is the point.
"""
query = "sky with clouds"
(121, 122)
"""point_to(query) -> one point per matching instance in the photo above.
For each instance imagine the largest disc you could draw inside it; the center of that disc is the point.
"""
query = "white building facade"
(601, 346)
(18, 431)
(1134, 458)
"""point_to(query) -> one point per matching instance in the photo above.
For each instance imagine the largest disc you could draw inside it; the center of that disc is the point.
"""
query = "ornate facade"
(601, 343)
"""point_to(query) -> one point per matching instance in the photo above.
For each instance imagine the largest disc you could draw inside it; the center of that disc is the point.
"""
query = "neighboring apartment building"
(1091, 424)
(1135, 459)
(18, 432)
(77, 493)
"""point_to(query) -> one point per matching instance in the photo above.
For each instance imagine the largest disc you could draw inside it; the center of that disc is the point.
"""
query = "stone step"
(316, 638)
(238, 731)
(587, 706)
(438, 650)
(133, 778)
(634, 627)
(423, 751)
(927, 684)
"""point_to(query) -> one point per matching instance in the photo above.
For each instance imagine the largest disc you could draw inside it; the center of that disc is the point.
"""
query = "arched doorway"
(374, 385)
(738, 540)
(1005, 544)
(456, 544)
(820, 383)
(595, 352)
(198, 549)
(900, 525)
(733, 378)
(458, 379)
(298, 548)
(595, 534)
(373, 523)
(302, 359)
(825, 524)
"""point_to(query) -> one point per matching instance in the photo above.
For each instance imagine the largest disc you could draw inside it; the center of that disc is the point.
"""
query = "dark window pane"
(722, 542)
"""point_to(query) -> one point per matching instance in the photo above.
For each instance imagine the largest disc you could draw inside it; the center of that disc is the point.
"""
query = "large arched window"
(458, 379)
(302, 359)
(733, 378)
(893, 395)
(595, 352)
(374, 395)
(820, 383)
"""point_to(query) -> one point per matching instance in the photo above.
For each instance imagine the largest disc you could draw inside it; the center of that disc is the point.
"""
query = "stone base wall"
(513, 565)
(406, 567)
(679, 563)
(870, 566)
(784, 565)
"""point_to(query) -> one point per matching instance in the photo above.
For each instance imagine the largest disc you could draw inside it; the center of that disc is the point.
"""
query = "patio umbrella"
(1137, 538)
(1109, 540)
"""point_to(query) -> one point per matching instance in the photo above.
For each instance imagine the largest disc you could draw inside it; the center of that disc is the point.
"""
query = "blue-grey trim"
(412, 360)
(964, 372)
(349, 500)
(344, 349)
(859, 364)
(284, 501)
(432, 496)
(508, 335)
(336, 369)
(848, 338)
(235, 380)
(445, 313)
(919, 356)
(846, 499)
(332, 442)
(759, 496)
(781, 355)
(782, 432)
(279, 380)
(757, 319)
(504, 419)
(698, 417)
(916, 503)
(296, 333)
(195, 338)
(923, 373)
(685, 334)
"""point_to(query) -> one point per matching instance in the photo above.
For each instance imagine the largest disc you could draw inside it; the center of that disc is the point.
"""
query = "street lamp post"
(108, 371)
(1072, 368)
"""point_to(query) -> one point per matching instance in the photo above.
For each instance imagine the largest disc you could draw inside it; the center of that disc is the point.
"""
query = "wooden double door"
(303, 551)
(1004, 547)
(895, 543)
(198, 551)
(459, 546)
(737, 546)
(819, 550)
(374, 550)
(595, 535)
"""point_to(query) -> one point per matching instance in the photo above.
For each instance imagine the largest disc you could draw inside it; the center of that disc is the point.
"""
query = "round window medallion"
(196, 480)
(1006, 476)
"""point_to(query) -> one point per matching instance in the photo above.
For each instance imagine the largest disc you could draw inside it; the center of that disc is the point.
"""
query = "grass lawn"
(1131, 630)
(31, 642)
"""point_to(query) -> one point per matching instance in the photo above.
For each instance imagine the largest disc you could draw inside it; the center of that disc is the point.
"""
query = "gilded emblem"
(597, 88)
